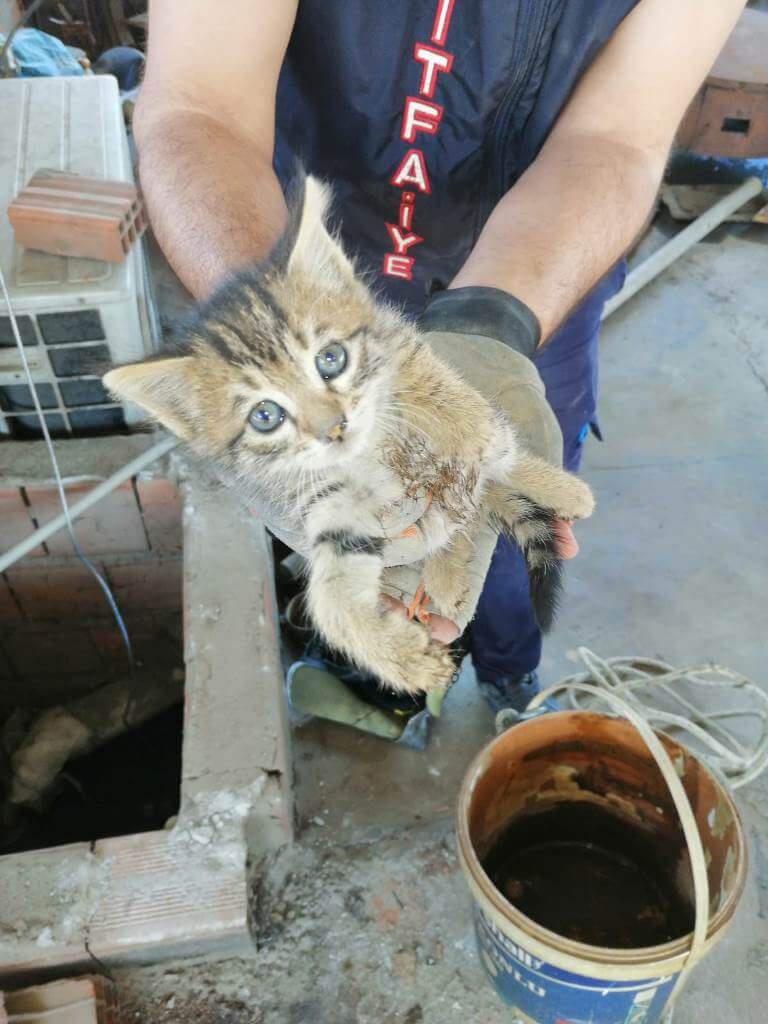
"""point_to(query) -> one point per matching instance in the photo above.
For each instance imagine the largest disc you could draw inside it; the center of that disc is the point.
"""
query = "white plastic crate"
(77, 317)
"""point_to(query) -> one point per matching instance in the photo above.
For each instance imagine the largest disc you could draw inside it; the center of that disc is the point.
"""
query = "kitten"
(326, 405)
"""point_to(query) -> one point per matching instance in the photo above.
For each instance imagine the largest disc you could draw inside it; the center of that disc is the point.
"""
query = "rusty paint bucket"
(582, 758)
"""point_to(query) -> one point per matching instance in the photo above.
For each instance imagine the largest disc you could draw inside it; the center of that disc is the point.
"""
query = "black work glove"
(489, 337)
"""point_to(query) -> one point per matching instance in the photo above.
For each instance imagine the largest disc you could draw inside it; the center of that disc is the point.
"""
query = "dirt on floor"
(349, 935)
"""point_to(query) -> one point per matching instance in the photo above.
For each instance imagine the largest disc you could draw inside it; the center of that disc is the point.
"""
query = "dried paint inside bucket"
(582, 872)
(573, 850)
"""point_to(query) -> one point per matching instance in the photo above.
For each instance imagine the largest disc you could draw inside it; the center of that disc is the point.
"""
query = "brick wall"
(57, 636)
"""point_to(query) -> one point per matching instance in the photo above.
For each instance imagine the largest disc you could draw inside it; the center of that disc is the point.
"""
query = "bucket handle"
(682, 806)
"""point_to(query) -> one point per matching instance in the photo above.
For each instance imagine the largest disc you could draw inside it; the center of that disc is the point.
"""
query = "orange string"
(417, 609)
(416, 601)
(412, 530)
(409, 531)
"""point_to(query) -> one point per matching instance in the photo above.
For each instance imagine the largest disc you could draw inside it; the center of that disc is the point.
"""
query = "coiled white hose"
(641, 681)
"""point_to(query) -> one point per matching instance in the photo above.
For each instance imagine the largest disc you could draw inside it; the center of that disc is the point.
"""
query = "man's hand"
(488, 337)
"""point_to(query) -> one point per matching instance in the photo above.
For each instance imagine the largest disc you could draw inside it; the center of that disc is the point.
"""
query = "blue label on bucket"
(544, 994)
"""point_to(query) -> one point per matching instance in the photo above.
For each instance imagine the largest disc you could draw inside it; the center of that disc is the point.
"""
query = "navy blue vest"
(422, 113)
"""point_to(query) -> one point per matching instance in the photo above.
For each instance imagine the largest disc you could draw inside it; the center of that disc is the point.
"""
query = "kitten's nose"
(333, 430)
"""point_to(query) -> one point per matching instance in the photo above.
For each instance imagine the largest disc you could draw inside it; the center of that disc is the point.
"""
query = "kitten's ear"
(164, 387)
(308, 246)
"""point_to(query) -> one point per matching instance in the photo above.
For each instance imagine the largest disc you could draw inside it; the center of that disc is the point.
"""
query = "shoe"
(313, 691)
(514, 692)
(320, 686)
(364, 685)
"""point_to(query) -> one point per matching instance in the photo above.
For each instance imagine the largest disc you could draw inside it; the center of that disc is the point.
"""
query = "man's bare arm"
(204, 128)
(582, 202)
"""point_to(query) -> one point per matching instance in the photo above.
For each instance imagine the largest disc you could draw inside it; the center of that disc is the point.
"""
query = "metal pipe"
(683, 241)
(99, 491)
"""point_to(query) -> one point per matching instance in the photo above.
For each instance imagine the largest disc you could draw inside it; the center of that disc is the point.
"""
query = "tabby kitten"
(327, 407)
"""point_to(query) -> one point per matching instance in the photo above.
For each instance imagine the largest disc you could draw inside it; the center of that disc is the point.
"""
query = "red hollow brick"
(72, 215)
(147, 585)
(6, 672)
(58, 652)
(153, 641)
(86, 1000)
(62, 593)
(15, 521)
(161, 507)
(113, 525)
(9, 609)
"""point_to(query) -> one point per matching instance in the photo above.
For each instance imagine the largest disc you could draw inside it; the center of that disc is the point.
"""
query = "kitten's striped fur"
(396, 422)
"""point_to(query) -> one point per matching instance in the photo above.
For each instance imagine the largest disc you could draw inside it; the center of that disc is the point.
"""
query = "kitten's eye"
(266, 416)
(331, 361)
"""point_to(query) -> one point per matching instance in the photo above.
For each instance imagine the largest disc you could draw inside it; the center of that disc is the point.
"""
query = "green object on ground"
(313, 691)
(435, 700)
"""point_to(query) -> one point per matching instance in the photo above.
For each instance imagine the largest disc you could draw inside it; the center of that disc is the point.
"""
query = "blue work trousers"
(505, 640)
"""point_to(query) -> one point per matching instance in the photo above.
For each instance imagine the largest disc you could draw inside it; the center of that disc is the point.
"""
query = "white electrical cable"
(639, 719)
(631, 687)
(59, 483)
(635, 680)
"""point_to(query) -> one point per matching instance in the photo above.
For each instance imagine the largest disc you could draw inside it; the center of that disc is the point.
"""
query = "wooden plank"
(120, 29)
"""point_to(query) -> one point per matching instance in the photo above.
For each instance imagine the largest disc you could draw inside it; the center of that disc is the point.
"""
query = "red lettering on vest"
(397, 266)
(412, 170)
(401, 242)
(405, 214)
(432, 62)
(442, 20)
(419, 116)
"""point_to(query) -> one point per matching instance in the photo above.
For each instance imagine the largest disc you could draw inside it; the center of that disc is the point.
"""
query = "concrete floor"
(367, 921)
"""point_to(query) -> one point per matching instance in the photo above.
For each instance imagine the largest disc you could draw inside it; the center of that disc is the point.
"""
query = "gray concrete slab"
(235, 727)
(369, 922)
(352, 785)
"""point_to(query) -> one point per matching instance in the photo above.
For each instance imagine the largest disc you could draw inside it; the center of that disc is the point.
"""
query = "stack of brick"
(87, 1000)
(71, 215)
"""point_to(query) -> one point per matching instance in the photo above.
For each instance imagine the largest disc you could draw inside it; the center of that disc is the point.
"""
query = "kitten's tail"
(532, 528)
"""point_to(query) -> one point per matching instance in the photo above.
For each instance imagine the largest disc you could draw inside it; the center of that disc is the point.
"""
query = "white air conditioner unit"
(77, 317)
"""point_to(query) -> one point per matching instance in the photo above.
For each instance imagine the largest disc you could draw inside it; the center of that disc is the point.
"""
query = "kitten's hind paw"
(575, 500)
(435, 671)
(421, 664)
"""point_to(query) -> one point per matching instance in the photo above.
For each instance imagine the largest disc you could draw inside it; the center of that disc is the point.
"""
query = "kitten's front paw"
(576, 500)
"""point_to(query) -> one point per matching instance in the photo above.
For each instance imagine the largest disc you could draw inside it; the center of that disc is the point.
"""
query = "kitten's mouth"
(356, 438)
(348, 449)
